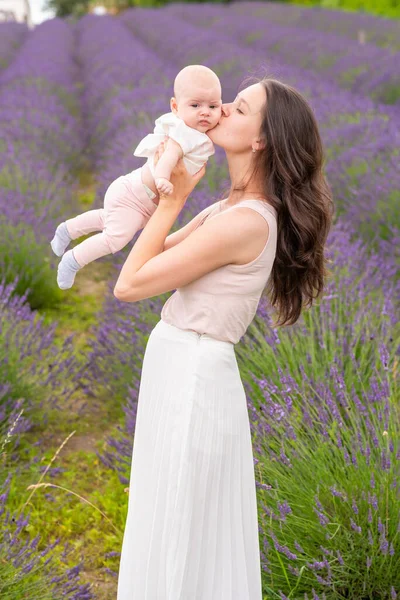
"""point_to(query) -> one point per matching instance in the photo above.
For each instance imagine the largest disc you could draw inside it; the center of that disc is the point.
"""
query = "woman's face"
(240, 123)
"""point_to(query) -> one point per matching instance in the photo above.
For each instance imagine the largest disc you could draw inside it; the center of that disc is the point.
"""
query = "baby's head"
(197, 97)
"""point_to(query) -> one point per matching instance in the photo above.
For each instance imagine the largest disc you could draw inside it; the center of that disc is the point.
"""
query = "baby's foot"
(164, 186)
(67, 269)
(60, 240)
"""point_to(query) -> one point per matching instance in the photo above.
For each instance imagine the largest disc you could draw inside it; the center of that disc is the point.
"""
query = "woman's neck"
(239, 171)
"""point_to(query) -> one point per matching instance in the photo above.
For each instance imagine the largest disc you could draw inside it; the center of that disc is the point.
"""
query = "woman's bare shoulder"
(249, 228)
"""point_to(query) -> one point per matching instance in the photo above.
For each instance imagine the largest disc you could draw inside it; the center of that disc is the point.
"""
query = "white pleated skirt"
(191, 531)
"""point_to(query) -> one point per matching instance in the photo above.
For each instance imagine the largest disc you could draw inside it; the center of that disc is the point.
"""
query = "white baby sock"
(60, 240)
(67, 269)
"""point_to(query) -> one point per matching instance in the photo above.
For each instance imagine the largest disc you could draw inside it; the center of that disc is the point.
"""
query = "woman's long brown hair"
(291, 165)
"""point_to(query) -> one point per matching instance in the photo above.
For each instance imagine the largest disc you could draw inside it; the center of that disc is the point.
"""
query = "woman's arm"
(149, 244)
(178, 236)
(220, 241)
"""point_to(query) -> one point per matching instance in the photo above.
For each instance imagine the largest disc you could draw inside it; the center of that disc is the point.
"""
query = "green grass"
(22, 255)
(66, 516)
(382, 8)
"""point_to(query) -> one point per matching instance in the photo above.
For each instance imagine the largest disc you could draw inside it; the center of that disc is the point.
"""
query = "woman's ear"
(259, 145)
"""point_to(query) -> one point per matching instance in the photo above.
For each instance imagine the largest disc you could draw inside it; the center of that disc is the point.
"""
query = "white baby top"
(222, 303)
(196, 146)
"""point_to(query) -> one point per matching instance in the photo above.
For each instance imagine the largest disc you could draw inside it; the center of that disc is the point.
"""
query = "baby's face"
(199, 107)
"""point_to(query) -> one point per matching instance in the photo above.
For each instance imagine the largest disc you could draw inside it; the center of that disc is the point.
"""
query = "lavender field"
(323, 395)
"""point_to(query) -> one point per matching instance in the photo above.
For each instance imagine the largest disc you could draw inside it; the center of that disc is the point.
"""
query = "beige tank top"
(222, 303)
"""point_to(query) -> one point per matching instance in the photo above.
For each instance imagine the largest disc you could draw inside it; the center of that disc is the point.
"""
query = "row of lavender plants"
(41, 139)
(364, 68)
(326, 383)
(380, 31)
(41, 142)
(11, 37)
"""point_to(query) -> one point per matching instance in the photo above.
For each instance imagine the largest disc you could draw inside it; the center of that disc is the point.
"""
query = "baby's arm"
(162, 172)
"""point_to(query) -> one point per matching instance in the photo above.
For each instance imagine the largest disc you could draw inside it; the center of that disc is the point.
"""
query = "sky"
(38, 12)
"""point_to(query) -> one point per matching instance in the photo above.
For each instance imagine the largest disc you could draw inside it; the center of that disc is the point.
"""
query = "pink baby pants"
(127, 208)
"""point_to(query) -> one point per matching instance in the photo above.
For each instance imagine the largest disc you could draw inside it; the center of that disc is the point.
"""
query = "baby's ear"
(173, 104)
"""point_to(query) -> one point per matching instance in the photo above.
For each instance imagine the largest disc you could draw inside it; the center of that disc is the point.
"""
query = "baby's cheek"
(217, 115)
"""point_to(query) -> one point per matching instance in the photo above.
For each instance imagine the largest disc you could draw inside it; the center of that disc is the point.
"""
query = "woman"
(192, 529)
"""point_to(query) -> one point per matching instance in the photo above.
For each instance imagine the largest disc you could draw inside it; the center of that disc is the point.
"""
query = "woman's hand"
(183, 182)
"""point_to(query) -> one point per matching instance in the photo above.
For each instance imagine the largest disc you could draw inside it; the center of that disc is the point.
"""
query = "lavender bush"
(27, 565)
(34, 366)
(327, 463)
(378, 30)
(36, 373)
(11, 37)
(357, 314)
(41, 144)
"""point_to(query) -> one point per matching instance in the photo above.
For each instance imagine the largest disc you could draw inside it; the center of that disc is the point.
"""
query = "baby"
(131, 199)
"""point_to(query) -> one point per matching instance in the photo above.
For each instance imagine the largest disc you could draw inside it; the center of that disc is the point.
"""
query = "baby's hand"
(164, 186)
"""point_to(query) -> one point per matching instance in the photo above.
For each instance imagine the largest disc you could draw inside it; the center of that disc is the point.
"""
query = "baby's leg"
(71, 229)
(120, 228)
(87, 222)
(98, 245)
(122, 219)
(126, 210)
